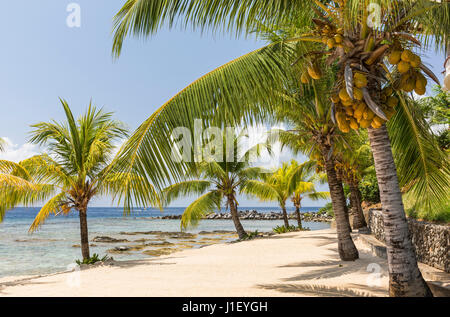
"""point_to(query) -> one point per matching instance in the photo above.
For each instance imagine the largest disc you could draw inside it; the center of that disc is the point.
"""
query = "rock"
(118, 250)
(108, 240)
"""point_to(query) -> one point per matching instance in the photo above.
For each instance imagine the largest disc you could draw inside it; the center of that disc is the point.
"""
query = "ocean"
(54, 248)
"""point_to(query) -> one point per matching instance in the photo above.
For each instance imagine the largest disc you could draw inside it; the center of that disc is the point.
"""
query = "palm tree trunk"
(84, 234)
(235, 216)
(358, 216)
(285, 217)
(299, 216)
(405, 278)
(346, 247)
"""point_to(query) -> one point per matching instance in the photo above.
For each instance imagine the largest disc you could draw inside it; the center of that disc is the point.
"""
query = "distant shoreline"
(255, 215)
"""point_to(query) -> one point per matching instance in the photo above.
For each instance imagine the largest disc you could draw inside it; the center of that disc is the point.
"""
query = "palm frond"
(53, 206)
(143, 18)
(422, 167)
(238, 90)
(200, 208)
(260, 189)
(319, 195)
(185, 188)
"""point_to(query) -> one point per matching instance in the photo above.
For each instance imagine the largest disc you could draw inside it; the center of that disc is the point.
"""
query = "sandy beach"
(295, 264)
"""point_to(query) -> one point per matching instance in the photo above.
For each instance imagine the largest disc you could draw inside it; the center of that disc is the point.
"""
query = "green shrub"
(438, 215)
(369, 189)
(92, 260)
(283, 229)
(252, 235)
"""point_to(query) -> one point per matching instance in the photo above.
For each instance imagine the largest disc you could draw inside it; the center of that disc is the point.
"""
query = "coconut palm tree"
(76, 169)
(215, 181)
(343, 37)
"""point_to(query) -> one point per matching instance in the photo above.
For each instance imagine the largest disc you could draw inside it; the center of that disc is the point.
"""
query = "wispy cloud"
(16, 153)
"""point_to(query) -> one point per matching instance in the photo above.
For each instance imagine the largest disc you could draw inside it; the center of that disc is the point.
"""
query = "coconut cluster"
(408, 65)
(355, 113)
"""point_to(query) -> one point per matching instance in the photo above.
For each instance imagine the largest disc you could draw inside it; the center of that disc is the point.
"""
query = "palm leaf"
(200, 208)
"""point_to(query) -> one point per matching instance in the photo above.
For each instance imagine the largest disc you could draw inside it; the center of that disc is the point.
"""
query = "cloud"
(16, 153)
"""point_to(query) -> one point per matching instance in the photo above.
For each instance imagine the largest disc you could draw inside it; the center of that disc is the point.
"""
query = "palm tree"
(76, 169)
(354, 47)
(216, 181)
(291, 181)
(304, 187)
(273, 187)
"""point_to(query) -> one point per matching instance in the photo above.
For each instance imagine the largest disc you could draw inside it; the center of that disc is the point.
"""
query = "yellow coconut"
(392, 102)
(395, 57)
(409, 85)
(358, 94)
(407, 56)
(421, 84)
(365, 123)
(368, 114)
(360, 80)
(338, 38)
(403, 67)
(354, 124)
(344, 95)
(349, 111)
(416, 61)
(388, 91)
(315, 72)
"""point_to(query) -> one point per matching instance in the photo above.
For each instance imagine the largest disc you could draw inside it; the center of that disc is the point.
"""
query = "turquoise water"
(51, 248)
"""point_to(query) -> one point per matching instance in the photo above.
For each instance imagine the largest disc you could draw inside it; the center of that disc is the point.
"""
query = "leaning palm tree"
(76, 169)
(216, 180)
(343, 38)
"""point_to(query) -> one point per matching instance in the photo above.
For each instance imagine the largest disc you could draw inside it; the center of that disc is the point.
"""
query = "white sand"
(296, 264)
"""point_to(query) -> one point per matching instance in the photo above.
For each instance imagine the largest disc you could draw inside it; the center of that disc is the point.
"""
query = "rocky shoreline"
(255, 215)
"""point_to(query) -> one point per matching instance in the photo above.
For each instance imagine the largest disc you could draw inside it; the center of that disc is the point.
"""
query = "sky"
(42, 59)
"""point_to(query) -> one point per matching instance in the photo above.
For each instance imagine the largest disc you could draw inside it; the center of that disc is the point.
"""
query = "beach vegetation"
(95, 258)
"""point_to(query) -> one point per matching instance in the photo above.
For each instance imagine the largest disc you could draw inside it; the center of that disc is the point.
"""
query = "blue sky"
(42, 59)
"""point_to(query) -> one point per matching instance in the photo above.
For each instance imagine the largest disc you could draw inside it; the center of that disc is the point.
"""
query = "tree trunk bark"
(84, 234)
(235, 216)
(358, 215)
(299, 217)
(346, 247)
(405, 278)
(285, 217)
